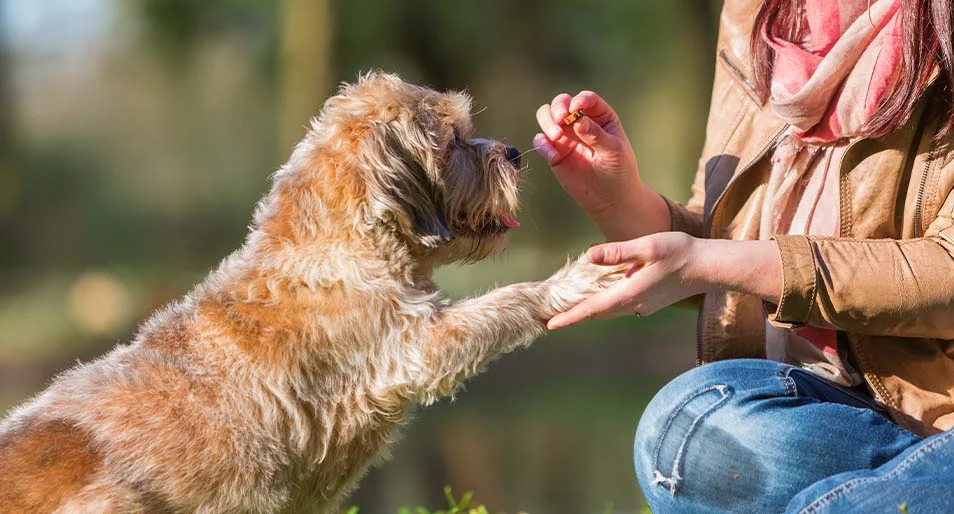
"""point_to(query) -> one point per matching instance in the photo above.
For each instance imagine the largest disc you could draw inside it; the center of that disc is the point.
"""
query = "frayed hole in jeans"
(685, 419)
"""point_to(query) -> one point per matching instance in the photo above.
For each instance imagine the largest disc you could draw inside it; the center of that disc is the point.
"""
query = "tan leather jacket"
(887, 283)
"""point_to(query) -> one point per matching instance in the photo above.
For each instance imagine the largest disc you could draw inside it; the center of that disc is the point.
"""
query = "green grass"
(464, 505)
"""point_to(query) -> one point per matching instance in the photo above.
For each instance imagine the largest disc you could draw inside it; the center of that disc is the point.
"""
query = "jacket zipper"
(737, 72)
(707, 228)
(877, 387)
(919, 201)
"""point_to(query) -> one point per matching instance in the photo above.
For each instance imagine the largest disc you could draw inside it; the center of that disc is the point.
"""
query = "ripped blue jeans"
(765, 437)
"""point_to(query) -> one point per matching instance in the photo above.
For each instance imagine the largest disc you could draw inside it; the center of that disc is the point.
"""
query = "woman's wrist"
(750, 267)
(638, 214)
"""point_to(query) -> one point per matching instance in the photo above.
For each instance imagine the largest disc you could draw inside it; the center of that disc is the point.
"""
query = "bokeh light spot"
(98, 302)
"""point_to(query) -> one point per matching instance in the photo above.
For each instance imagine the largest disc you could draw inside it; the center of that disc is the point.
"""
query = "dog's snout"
(513, 155)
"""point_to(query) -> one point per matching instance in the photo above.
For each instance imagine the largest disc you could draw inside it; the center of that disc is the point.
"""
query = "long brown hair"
(929, 44)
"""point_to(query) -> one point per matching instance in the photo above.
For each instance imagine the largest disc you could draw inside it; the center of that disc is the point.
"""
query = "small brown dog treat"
(573, 117)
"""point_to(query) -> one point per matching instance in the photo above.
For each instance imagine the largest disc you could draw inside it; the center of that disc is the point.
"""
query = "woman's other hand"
(671, 266)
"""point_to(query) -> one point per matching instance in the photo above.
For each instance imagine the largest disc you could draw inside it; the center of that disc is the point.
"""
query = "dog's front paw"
(579, 280)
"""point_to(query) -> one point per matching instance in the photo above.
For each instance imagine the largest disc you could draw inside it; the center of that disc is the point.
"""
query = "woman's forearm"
(750, 267)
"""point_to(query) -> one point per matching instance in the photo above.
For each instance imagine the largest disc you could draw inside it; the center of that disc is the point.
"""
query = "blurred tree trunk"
(305, 65)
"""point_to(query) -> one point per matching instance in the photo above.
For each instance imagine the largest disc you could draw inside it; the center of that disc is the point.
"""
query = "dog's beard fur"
(276, 382)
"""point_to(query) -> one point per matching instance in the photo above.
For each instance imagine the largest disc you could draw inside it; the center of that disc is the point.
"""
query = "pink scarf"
(829, 85)
(826, 85)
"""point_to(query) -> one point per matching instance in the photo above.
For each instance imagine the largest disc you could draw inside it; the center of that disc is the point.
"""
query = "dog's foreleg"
(469, 334)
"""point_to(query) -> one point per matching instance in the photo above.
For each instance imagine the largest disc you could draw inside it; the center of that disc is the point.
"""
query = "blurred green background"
(136, 135)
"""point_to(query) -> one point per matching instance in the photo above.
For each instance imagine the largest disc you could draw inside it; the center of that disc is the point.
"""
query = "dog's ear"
(402, 180)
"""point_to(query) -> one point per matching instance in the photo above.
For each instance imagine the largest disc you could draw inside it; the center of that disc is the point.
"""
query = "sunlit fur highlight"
(278, 381)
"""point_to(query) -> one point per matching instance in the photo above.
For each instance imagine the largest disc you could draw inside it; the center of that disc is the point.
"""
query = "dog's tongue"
(508, 220)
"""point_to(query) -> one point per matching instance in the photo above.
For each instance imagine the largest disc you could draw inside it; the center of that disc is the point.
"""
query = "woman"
(820, 236)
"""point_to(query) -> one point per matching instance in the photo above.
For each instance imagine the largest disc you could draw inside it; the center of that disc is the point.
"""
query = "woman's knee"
(693, 439)
(680, 409)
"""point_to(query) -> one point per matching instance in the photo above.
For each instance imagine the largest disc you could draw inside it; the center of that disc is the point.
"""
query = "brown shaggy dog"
(279, 380)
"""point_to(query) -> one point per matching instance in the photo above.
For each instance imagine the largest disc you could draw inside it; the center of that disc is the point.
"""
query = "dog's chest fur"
(332, 369)
(282, 393)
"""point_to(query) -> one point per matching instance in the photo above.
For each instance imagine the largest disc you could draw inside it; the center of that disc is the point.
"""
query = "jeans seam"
(841, 489)
(787, 382)
(672, 483)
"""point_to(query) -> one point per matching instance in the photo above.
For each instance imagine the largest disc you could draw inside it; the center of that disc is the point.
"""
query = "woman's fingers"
(544, 149)
(560, 107)
(615, 299)
(553, 152)
(555, 143)
(594, 106)
(658, 276)
(600, 305)
(549, 126)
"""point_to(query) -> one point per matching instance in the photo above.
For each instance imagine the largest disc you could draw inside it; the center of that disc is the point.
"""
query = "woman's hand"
(671, 266)
(594, 162)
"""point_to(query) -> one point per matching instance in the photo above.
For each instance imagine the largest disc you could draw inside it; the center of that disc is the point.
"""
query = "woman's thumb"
(610, 254)
(593, 135)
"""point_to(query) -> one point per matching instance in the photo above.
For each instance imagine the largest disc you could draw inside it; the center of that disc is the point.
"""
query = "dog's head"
(419, 169)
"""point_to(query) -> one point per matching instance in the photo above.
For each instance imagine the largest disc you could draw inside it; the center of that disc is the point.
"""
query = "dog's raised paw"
(580, 279)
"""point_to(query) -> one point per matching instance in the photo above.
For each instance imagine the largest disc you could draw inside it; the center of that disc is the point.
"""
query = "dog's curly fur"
(279, 380)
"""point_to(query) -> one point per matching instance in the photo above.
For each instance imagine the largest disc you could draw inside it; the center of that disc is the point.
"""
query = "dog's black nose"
(513, 155)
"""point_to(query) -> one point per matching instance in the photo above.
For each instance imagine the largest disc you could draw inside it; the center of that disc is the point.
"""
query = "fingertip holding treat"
(583, 126)
(560, 105)
(582, 100)
(562, 98)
